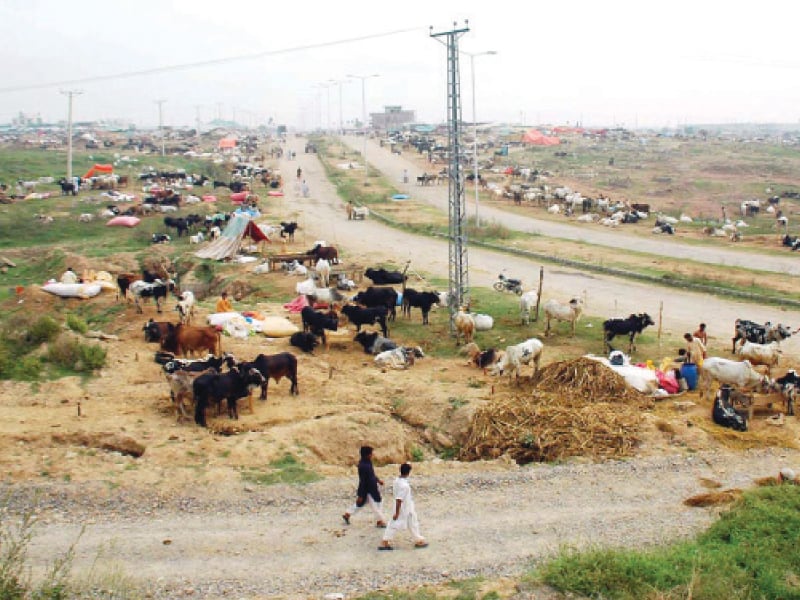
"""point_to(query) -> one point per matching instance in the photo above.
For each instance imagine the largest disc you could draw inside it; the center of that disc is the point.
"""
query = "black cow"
(383, 277)
(422, 300)
(379, 296)
(723, 412)
(157, 290)
(197, 365)
(367, 316)
(317, 322)
(374, 343)
(178, 223)
(67, 188)
(288, 229)
(305, 341)
(788, 385)
(154, 331)
(275, 366)
(230, 386)
(160, 238)
(631, 326)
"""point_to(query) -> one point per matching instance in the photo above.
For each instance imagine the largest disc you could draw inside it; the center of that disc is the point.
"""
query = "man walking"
(368, 491)
(405, 514)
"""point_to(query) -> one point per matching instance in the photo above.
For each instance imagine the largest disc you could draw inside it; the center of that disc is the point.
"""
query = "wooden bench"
(303, 259)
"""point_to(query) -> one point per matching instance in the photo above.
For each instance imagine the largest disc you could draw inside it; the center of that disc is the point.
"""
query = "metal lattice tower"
(457, 207)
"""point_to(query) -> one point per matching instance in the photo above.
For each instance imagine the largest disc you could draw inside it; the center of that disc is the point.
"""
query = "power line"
(205, 63)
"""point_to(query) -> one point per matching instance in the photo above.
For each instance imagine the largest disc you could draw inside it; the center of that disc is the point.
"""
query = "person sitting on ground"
(223, 304)
(69, 276)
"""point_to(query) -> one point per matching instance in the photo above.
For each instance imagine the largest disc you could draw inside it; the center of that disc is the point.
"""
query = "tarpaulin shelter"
(537, 138)
(230, 241)
(227, 144)
(99, 169)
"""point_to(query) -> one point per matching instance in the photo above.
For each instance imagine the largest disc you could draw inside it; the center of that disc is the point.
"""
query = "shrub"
(71, 354)
(75, 323)
(44, 329)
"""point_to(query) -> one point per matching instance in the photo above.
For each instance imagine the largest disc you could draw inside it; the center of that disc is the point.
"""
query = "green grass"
(286, 470)
(751, 552)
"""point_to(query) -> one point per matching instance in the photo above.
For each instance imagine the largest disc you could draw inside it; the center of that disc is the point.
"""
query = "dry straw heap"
(573, 408)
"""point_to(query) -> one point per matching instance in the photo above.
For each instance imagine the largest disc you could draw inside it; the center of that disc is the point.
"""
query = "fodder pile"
(573, 408)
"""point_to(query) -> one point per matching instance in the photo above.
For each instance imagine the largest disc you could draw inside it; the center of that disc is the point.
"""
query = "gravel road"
(393, 165)
(291, 542)
(254, 542)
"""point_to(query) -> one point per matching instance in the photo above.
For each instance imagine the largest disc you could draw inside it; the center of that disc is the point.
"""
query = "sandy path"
(323, 214)
(393, 165)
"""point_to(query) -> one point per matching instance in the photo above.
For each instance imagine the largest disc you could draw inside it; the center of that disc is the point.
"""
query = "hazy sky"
(602, 63)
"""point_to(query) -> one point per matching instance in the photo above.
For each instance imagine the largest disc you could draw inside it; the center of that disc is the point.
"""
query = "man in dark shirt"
(368, 490)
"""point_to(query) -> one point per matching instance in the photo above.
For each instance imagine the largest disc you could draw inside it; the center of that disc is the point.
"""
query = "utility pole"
(69, 94)
(459, 265)
(472, 56)
(197, 120)
(363, 79)
(161, 123)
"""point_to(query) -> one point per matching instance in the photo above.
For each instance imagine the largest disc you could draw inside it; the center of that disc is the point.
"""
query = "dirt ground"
(55, 434)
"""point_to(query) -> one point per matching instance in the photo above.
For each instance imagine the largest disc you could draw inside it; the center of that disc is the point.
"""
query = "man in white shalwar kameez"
(405, 514)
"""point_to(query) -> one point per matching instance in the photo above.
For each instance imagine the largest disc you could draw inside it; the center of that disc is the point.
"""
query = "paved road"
(393, 165)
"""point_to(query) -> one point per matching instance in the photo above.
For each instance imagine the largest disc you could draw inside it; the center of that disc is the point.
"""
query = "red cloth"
(296, 305)
(668, 382)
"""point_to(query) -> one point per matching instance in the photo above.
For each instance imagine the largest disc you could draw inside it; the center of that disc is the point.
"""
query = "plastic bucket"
(689, 373)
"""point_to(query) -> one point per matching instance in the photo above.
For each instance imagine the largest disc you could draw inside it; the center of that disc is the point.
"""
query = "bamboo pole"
(539, 293)
(660, 320)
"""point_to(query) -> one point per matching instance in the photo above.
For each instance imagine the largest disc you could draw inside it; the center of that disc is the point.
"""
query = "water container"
(689, 373)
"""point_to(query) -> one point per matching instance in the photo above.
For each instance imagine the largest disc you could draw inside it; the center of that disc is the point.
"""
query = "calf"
(788, 386)
(160, 238)
(329, 253)
(317, 322)
(230, 386)
(631, 326)
(157, 290)
(288, 229)
(527, 303)
(723, 412)
(374, 343)
(399, 358)
(184, 339)
(518, 355)
(367, 316)
(275, 366)
(422, 300)
(305, 341)
(185, 307)
(181, 389)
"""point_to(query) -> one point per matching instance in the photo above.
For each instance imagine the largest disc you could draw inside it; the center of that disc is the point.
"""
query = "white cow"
(399, 358)
(571, 312)
(527, 302)
(760, 354)
(518, 355)
(738, 374)
(323, 269)
(185, 307)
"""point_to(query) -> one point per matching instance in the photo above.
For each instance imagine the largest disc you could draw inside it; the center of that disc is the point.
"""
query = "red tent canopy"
(99, 169)
(537, 138)
(254, 231)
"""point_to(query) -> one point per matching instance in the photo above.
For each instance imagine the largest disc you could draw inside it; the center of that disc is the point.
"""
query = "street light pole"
(161, 123)
(69, 94)
(363, 79)
(472, 56)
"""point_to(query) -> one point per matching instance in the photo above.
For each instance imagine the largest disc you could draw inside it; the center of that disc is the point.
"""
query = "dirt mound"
(574, 408)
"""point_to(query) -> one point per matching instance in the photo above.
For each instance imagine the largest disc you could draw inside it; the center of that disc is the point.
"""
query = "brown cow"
(182, 340)
(329, 253)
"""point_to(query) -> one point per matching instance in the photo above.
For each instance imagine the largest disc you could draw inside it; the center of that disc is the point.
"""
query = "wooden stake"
(539, 293)
(660, 319)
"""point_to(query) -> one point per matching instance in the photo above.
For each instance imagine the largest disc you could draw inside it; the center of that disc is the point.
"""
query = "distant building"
(393, 118)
